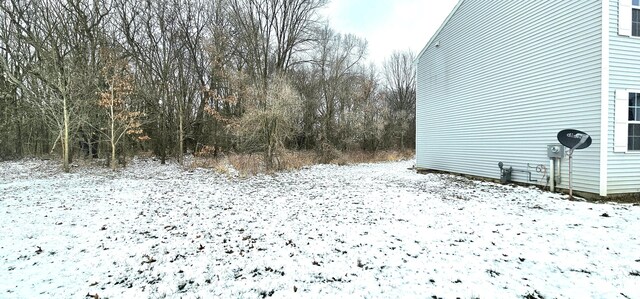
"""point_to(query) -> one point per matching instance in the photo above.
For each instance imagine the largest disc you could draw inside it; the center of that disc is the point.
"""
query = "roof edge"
(431, 40)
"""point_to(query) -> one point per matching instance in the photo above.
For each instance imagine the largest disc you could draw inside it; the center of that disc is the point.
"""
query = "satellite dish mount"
(573, 139)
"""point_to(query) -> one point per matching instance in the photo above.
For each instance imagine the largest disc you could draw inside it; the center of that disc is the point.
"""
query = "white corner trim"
(604, 100)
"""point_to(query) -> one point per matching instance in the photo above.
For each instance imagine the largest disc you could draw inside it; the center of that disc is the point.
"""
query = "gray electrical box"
(555, 151)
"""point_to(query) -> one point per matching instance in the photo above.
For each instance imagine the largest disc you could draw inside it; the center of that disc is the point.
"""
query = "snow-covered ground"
(372, 230)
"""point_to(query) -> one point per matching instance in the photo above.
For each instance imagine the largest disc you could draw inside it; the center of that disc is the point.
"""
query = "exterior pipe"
(505, 172)
(525, 171)
(583, 139)
(559, 176)
(552, 173)
(570, 171)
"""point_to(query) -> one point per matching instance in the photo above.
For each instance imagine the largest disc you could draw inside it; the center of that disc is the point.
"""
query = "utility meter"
(555, 151)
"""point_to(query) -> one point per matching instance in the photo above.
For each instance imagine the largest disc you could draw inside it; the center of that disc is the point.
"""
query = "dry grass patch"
(219, 165)
(232, 164)
(246, 165)
(292, 160)
(356, 157)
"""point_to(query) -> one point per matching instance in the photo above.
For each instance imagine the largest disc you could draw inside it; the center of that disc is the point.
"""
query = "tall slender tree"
(400, 81)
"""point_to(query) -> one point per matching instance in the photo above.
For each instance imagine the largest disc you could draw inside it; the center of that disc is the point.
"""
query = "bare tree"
(152, 38)
(368, 109)
(116, 100)
(232, 75)
(272, 32)
(337, 62)
(57, 78)
(270, 36)
(11, 110)
(193, 21)
(267, 124)
(400, 80)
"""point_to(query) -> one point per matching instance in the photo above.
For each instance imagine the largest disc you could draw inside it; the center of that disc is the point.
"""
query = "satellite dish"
(574, 139)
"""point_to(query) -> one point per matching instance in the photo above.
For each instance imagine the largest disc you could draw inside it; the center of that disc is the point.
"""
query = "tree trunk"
(65, 137)
(199, 124)
(20, 122)
(113, 146)
(112, 162)
(113, 130)
(99, 151)
(163, 138)
(180, 134)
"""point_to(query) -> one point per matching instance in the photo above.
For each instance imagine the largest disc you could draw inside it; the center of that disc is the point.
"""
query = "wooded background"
(104, 78)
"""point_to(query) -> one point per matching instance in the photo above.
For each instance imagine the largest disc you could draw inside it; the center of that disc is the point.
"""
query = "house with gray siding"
(500, 79)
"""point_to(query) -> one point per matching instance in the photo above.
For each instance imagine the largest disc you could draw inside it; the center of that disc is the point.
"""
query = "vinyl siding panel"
(506, 78)
(624, 73)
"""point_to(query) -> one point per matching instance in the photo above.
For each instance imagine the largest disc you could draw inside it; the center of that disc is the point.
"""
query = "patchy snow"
(371, 230)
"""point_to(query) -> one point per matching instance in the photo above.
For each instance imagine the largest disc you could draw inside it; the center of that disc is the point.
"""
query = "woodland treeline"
(104, 78)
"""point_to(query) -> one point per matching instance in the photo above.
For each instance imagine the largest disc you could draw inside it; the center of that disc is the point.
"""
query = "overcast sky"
(389, 25)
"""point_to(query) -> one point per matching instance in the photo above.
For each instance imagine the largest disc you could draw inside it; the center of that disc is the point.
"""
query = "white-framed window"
(629, 17)
(635, 17)
(633, 131)
(626, 132)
